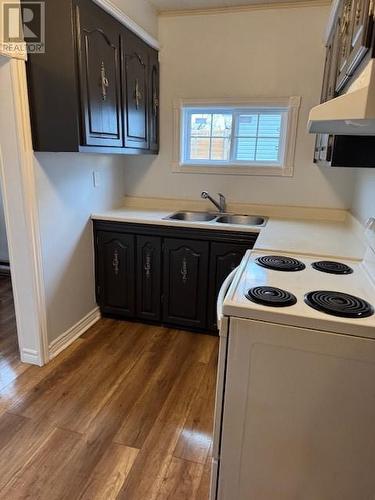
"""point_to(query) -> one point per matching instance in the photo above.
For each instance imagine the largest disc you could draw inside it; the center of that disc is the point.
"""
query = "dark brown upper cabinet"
(354, 28)
(328, 91)
(91, 91)
(350, 46)
(362, 26)
(330, 69)
(100, 78)
(136, 67)
(343, 28)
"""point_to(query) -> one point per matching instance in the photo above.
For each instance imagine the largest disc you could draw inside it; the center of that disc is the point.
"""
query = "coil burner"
(280, 263)
(339, 304)
(330, 267)
(271, 296)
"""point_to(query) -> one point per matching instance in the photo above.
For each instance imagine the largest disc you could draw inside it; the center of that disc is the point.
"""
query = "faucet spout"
(220, 205)
(222, 202)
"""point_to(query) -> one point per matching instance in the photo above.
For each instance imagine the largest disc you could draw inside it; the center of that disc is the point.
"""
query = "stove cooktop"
(324, 294)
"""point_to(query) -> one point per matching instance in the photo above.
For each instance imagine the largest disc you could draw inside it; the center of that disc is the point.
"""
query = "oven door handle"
(222, 294)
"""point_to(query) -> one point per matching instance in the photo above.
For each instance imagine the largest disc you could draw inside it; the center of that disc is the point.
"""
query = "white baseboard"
(65, 339)
(30, 356)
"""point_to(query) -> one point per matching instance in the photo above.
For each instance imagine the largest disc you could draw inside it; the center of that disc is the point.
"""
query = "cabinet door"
(326, 74)
(115, 264)
(185, 282)
(344, 27)
(224, 257)
(154, 101)
(328, 90)
(330, 68)
(360, 40)
(148, 277)
(99, 64)
(136, 75)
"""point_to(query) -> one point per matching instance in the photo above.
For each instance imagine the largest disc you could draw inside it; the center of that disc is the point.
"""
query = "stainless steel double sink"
(243, 220)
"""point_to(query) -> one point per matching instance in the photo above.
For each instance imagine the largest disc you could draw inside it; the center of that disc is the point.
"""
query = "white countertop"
(327, 239)
(323, 238)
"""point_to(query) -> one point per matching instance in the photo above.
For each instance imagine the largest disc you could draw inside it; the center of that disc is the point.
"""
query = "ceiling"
(175, 5)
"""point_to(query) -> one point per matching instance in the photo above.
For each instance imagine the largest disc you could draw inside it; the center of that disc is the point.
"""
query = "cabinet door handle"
(345, 19)
(344, 28)
(155, 102)
(184, 271)
(137, 94)
(104, 81)
(116, 262)
(148, 266)
(358, 13)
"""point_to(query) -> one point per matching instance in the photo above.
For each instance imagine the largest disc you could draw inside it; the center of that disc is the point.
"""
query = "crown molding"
(117, 13)
(244, 8)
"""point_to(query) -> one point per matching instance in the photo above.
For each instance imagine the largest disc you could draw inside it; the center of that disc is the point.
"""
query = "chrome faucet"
(221, 205)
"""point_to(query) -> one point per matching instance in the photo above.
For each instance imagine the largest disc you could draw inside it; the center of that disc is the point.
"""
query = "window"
(245, 137)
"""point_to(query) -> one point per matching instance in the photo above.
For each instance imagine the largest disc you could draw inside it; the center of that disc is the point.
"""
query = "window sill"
(232, 170)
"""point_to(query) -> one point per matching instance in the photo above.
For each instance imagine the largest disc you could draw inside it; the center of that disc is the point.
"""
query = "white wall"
(273, 52)
(364, 194)
(67, 197)
(3, 235)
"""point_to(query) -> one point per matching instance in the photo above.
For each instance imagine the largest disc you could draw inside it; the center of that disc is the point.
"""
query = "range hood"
(352, 113)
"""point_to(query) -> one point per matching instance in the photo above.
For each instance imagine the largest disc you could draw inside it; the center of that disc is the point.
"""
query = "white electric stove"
(295, 403)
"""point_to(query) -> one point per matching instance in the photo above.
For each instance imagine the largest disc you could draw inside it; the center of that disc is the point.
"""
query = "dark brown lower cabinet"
(165, 275)
(185, 282)
(148, 278)
(115, 273)
(224, 257)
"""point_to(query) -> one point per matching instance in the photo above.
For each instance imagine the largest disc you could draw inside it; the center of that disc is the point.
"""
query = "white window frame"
(285, 169)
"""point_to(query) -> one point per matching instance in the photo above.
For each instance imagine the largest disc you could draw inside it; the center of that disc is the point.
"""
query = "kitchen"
(134, 242)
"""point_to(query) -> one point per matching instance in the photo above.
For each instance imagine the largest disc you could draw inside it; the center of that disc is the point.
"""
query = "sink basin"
(247, 220)
(192, 216)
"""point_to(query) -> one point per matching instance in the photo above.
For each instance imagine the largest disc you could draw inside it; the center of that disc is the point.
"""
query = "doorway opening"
(10, 362)
(23, 290)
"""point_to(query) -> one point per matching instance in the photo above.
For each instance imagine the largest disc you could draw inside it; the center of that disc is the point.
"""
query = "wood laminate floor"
(125, 412)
